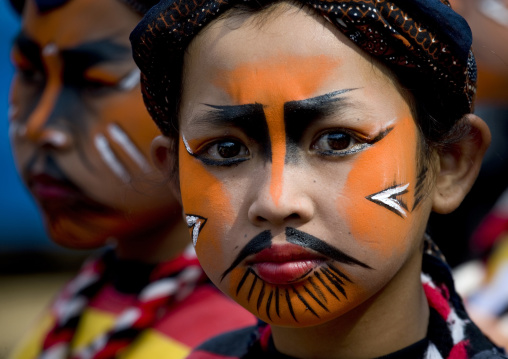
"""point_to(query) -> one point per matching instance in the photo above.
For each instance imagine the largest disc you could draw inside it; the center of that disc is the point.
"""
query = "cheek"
(128, 112)
(205, 197)
(383, 224)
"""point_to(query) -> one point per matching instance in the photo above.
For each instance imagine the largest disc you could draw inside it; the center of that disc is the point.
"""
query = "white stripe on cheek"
(130, 81)
(120, 137)
(107, 155)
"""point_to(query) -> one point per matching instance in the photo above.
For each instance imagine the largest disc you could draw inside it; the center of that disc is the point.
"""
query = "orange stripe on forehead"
(272, 82)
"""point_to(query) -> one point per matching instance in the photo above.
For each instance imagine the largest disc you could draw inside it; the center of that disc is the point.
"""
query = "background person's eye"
(96, 86)
(31, 76)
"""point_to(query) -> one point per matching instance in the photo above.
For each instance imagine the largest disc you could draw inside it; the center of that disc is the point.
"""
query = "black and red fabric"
(450, 334)
(424, 42)
(169, 282)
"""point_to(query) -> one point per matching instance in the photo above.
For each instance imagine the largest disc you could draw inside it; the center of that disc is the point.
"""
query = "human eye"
(338, 143)
(97, 81)
(223, 152)
(27, 71)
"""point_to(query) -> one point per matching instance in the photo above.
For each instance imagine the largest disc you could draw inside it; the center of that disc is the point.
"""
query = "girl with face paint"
(81, 138)
(311, 152)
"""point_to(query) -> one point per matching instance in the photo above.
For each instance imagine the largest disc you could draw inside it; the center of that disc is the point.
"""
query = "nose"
(40, 127)
(293, 204)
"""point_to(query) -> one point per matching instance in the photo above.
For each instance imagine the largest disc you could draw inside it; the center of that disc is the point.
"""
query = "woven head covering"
(425, 43)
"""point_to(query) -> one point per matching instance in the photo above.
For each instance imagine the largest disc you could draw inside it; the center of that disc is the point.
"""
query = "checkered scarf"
(170, 282)
(451, 334)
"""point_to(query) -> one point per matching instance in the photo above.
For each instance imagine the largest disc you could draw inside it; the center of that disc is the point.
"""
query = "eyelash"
(360, 145)
(203, 152)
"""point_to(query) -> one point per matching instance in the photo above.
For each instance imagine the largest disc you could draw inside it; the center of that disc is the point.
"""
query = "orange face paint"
(391, 163)
(80, 132)
(205, 196)
(295, 246)
(272, 83)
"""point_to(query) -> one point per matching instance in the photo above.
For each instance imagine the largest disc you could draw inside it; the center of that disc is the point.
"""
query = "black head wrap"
(425, 43)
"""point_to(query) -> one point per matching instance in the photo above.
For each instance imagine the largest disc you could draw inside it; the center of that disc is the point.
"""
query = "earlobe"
(164, 157)
(459, 165)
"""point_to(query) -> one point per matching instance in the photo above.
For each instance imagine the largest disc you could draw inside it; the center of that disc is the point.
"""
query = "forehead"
(79, 21)
(285, 47)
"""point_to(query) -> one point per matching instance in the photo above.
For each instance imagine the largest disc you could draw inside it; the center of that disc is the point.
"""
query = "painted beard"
(291, 283)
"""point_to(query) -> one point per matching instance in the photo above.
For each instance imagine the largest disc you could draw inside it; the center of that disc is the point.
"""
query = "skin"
(291, 183)
(303, 184)
(81, 135)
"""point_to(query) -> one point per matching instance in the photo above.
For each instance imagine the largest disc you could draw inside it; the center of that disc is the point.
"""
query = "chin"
(77, 234)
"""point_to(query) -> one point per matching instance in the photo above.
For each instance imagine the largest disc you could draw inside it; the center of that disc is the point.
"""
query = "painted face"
(79, 129)
(298, 169)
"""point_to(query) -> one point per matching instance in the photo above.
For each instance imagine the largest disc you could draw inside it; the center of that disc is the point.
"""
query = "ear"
(164, 157)
(459, 165)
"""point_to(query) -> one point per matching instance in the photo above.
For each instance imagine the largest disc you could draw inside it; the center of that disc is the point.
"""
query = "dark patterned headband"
(424, 42)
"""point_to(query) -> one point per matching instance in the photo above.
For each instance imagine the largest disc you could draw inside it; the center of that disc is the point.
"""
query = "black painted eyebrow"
(29, 48)
(91, 53)
(299, 115)
(82, 56)
(249, 118)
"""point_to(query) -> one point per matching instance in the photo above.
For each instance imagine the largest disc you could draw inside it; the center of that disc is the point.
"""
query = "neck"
(393, 319)
(157, 242)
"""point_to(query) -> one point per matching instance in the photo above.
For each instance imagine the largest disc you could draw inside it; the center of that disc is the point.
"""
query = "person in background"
(487, 296)
(489, 23)
(81, 136)
(312, 139)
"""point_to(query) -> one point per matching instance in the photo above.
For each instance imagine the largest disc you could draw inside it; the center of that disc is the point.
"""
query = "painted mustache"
(48, 168)
(264, 240)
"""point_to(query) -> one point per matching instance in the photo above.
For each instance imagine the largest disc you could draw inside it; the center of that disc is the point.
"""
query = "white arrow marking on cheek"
(195, 222)
(389, 198)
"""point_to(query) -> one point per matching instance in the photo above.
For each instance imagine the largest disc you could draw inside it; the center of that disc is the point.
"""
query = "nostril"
(293, 216)
(260, 219)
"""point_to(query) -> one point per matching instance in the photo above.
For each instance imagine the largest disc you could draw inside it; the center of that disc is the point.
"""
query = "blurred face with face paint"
(81, 134)
(301, 174)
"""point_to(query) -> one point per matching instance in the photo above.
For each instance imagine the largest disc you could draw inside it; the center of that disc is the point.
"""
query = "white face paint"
(130, 81)
(50, 50)
(196, 223)
(109, 157)
(186, 144)
(122, 139)
(495, 10)
(388, 198)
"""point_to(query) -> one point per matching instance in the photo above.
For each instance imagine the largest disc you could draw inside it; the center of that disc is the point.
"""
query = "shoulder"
(203, 315)
(234, 344)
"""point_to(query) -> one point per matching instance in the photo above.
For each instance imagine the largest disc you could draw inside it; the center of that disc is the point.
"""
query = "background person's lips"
(47, 188)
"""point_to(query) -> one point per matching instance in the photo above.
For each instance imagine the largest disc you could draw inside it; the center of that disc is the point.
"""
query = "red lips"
(48, 188)
(284, 264)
